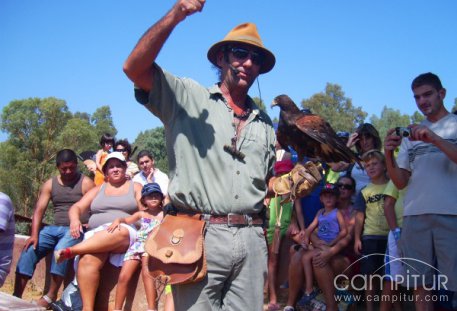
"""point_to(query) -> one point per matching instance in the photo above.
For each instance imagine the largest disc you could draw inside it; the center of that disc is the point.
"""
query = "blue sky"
(74, 50)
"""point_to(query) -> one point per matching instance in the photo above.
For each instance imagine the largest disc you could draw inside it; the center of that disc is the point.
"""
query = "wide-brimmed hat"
(245, 33)
(114, 155)
(150, 189)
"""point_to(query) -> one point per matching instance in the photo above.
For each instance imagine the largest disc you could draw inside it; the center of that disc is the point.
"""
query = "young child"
(106, 142)
(151, 217)
(330, 227)
(371, 229)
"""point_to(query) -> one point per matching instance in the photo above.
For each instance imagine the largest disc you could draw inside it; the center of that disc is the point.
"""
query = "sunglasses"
(242, 54)
(121, 150)
(345, 186)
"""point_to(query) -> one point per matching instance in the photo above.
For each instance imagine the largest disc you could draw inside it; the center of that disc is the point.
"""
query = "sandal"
(46, 299)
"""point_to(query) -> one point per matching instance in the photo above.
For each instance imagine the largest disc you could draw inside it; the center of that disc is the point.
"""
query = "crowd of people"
(400, 203)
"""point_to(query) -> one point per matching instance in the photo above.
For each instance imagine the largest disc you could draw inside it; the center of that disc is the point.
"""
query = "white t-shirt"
(158, 177)
(360, 176)
(432, 188)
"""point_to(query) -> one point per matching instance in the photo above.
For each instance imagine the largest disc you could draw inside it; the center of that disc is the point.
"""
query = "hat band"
(246, 38)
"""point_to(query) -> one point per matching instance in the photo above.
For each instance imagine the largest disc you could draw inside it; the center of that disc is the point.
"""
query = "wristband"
(396, 233)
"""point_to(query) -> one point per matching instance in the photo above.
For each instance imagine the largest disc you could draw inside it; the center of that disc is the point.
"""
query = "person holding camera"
(427, 164)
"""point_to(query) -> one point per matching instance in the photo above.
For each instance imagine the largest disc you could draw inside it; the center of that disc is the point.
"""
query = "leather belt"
(234, 220)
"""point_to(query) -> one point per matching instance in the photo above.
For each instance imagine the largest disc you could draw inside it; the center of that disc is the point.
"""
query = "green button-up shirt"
(198, 123)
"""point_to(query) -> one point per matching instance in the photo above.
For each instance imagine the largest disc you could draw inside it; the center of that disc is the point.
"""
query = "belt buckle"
(229, 220)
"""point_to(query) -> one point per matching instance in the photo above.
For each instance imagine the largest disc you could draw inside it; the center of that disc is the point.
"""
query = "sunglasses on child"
(345, 186)
(120, 150)
(242, 54)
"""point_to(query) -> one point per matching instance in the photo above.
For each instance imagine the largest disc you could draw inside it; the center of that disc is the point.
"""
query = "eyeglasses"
(345, 186)
(121, 150)
(242, 54)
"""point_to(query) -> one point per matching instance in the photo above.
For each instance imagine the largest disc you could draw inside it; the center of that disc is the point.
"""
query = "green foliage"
(103, 122)
(390, 118)
(337, 109)
(33, 126)
(37, 129)
(417, 117)
(454, 108)
(82, 133)
(154, 141)
(259, 102)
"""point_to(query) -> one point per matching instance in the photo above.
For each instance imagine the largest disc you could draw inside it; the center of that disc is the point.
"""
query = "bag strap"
(278, 215)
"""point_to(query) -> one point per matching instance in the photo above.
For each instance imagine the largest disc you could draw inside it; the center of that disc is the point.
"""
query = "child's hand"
(357, 246)
(305, 242)
(115, 224)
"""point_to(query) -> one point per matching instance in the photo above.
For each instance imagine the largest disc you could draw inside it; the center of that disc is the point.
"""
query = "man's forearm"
(398, 175)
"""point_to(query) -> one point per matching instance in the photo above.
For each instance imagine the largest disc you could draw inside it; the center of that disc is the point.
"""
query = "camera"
(403, 131)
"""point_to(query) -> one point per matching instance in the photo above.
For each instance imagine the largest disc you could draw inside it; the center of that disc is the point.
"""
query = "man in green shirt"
(221, 152)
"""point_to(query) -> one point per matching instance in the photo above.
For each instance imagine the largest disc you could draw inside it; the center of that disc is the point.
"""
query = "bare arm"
(389, 211)
(126, 220)
(312, 226)
(299, 214)
(98, 158)
(77, 209)
(40, 208)
(358, 229)
(399, 176)
(137, 187)
(87, 184)
(139, 65)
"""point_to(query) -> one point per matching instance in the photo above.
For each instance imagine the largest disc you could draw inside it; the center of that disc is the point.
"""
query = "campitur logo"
(410, 278)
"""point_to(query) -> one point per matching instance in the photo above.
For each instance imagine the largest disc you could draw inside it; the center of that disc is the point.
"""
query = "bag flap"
(177, 240)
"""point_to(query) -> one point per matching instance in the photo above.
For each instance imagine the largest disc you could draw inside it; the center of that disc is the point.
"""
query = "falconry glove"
(300, 182)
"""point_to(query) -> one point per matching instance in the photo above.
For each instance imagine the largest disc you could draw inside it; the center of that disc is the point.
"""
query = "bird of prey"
(309, 134)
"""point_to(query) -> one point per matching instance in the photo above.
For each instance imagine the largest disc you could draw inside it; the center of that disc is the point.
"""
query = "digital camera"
(403, 131)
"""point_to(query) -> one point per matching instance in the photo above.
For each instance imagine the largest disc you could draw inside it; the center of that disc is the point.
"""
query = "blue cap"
(150, 189)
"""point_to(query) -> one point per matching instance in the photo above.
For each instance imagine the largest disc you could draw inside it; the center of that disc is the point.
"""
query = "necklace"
(243, 115)
(230, 104)
(232, 148)
(239, 119)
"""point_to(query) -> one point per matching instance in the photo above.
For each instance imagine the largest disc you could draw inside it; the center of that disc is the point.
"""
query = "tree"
(79, 135)
(37, 129)
(337, 109)
(390, 118)
(33, 126)
(103, 122)
(417, 117)
(454, 108)
(154, 141)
